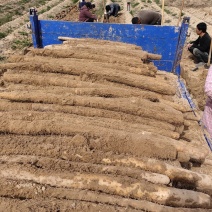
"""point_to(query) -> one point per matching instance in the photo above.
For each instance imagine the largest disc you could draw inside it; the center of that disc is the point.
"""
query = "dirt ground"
(111, 135)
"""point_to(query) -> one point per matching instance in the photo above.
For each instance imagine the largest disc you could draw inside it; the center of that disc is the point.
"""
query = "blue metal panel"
(185, 94)
(37, 41)
(154, 39)
(181, 42)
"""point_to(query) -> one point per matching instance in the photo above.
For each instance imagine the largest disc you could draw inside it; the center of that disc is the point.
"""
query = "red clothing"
(85, 14)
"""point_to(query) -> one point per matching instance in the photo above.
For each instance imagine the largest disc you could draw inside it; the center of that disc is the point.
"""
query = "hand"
(189, 45)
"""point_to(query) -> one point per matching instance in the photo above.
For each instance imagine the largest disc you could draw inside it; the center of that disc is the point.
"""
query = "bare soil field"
(84, 129)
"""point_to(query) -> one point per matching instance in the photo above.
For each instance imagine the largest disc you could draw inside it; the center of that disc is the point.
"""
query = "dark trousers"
(158, 22)
(199, 55)
(90, 20)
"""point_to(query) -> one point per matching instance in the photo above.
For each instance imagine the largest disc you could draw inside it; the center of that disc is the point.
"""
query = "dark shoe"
(206, 66)
(200, 64)
(195, 69)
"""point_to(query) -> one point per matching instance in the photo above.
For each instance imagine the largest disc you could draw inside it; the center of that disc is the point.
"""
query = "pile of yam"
(89, 127)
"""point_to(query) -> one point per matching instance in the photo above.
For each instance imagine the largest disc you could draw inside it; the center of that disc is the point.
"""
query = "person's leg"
(158, 22)
(200, 56)
(113, 13)
(191, 49)
(106, 18)
(116, 11)
(90, 20)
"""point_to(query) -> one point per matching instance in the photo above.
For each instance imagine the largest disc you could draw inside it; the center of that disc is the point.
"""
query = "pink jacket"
(85, 14)
(207, 114)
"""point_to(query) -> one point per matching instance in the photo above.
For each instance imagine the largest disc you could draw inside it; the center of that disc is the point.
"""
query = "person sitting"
(81, 4)
(112, 9)
(147, 17)
(201, 46)
(85, 13)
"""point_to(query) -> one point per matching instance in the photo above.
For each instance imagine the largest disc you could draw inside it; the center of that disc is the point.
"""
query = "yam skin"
(6, 105)
(201, 182)
(77, 68)
(76, 197)
(141, 190)
(148, 109)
